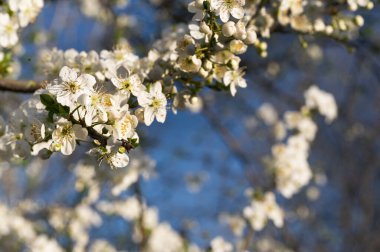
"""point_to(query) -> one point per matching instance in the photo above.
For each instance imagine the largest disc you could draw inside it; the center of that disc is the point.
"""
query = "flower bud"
(205, 28)
(329, 30)
(370, 6)
(319, 25)
(359, 20)
(342, 25)
(251, 36)
(203, 72)
(194, 104)
(263, 46)
(207, 65)
(238, 46)
(190, 64)
(241, 32)
(229, 29)
(234, 63)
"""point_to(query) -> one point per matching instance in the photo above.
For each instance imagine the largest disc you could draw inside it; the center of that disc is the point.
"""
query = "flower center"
(156, 103)
(126, 85)
(229, 3)
(35, 131)
(95, 99)
(66, 131)
(125, 126)
(9, 28)
(107, 101)
(72, 87)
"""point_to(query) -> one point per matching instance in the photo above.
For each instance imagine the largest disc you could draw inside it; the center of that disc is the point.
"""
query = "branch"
(19, 86)
(228, 139)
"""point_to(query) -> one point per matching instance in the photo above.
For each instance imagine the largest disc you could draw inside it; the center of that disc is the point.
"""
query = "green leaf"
(53, 107)
(47, 100)
(134, 142)
(63, 111)
(50, 117)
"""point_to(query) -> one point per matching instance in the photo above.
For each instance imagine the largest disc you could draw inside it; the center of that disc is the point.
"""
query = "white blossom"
(127, 83)
(8, 31)
(322, 101)
(71, 86)
(164, 239)
(234, 79)
(218, 244)
(154, 104)
(196, 7)
(65, 136)
(226, 7)
(262, 209)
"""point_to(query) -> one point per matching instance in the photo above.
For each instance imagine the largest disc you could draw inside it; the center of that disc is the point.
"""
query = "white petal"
(237, 12)
(216, 4)
(122, 72)
(40, 146)
(224, 15)
(233, 89)
(242, 83)
(192, 7)
(86, 80)
(198, 16)
(80, 133)
(228, 77)
(116, 82)
(119, 160)
(89, 116)
(144, 99)
(68, 146)
(84, 99)
(135, 79)
(67, 74)
(197, 34)
(156, 88)
(148, 116)
(161, 115)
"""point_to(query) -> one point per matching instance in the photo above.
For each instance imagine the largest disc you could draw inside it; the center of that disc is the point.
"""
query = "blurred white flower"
(218, 244)
(224, 8)
(8, 31)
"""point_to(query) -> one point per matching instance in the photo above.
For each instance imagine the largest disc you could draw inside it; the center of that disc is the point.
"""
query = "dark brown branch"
(19, 86)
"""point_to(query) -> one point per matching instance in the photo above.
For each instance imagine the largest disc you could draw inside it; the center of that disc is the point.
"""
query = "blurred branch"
(228, 139)
(19, 86)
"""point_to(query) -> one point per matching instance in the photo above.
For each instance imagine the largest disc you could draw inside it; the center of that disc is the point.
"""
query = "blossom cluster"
(102, 11)
(321, 17)
(262, 209)
(290, 165)
(101, 97)
(14, 15)
(88, 98)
